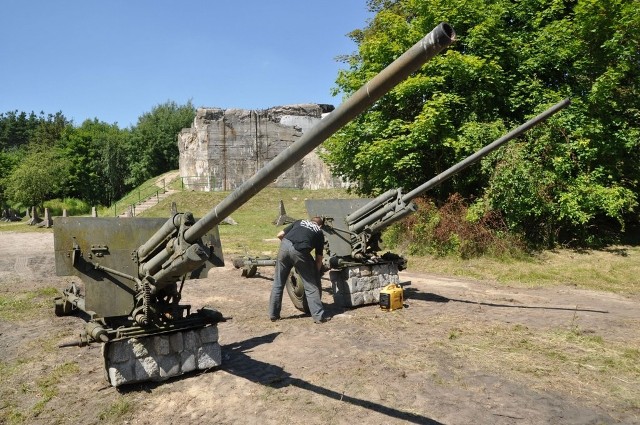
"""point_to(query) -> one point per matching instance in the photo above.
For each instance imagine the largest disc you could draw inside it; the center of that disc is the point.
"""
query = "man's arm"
(284, 231)
(318, 262)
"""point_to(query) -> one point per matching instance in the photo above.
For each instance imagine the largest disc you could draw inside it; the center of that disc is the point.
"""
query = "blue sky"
(114, 60)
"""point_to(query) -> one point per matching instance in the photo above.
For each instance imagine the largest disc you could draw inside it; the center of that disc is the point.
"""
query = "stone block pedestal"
(360, 285)
(160, 357)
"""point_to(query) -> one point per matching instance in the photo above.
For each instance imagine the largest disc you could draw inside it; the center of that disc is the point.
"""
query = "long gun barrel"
(380, 212)
(162, 271)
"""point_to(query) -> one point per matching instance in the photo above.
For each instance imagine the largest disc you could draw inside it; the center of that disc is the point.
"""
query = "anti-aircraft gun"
(134, 269)
(353, 230)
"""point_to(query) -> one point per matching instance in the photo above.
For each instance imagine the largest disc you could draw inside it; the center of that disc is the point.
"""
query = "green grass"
(146, 190)
(255, 233)
(612, 270)
(22, 226)
(21, 306)
(47, 386)
(567, 360)
(116, 410)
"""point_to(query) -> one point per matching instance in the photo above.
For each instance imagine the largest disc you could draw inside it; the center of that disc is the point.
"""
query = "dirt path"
(448, 357)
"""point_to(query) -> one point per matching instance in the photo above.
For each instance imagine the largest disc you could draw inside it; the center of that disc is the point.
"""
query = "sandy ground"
(365, 366)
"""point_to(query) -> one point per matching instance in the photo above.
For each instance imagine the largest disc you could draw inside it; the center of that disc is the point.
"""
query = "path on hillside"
(163, 182)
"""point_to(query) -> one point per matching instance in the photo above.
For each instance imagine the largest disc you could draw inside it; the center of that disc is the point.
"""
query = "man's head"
(318, 220)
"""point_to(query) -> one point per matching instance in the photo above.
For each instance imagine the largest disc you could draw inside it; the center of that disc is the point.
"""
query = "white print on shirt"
(310, 225)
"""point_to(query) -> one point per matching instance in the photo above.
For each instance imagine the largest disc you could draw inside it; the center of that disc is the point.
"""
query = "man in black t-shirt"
(298, 240)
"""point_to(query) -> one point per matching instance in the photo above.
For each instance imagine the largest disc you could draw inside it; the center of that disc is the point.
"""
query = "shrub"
(454, 229)
(72, 205)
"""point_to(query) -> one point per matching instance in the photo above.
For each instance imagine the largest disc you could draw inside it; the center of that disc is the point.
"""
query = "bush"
(72, 205)
(454, 230)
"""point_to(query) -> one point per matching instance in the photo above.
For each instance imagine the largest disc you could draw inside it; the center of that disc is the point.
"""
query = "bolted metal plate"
(111, 242)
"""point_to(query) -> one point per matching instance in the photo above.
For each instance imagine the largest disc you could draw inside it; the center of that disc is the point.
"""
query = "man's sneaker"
(275, 319)
(323, 320)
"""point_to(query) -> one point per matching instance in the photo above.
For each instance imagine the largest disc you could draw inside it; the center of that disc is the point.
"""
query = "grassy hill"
(255, 233)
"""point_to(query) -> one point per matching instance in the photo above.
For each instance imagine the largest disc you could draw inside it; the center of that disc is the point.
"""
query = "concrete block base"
(160, 357)
(360, 285)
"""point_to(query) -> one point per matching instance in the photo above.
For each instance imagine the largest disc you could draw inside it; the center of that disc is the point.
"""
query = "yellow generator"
(391, 297)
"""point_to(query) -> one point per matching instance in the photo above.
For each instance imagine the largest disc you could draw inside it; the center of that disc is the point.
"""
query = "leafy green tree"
(20, 133)
(8, 161)
(153, 147)
(38, 177)
(567, 179)
(115, 166)
(97, 167)
(17, 129)
(50, 129)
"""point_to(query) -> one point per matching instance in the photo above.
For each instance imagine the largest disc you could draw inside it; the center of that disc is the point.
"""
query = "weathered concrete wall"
(225, 147)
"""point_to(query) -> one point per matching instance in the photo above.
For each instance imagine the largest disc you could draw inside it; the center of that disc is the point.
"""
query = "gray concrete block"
(169, 365)
(118, 351)
(365, 271)
(376, 295)
(146, 369)
(121, 373)
(187, 361)
(138, 347)
(209, 355)
(356, 299)
(161, 345)
(166, 356)
(191, 340)
(209, 334)
(176, 342)
(368, 297)
(354, 286)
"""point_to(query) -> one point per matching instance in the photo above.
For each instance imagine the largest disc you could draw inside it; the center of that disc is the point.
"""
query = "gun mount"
(353, 230)
(134, 269)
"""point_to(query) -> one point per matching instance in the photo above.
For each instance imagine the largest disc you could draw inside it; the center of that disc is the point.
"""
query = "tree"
(115, 166)
(8, 161)
(17, 129)
(566, 179)
(38, 177)
(19, 134)
(153, 147)
(95, 152)
(50, 129)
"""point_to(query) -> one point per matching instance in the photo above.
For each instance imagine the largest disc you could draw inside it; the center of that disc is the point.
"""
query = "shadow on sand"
(237, 361)
(414, 294)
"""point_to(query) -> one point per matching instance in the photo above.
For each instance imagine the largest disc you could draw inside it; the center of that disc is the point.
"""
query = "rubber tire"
(295, 289)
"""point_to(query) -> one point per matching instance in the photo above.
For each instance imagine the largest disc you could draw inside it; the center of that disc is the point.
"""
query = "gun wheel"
(295, 289)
